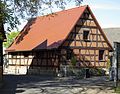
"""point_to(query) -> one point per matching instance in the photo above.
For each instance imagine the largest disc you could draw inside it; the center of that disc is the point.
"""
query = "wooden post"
(115, 64)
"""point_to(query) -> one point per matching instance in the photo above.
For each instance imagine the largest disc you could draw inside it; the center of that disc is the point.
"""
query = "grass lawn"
(117, 90)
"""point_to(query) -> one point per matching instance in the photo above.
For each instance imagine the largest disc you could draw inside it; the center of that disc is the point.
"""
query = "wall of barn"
(41, 62)
(86, 48)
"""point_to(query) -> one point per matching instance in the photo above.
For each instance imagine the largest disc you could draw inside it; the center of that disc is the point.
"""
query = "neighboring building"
(113, 34)
(48, 41)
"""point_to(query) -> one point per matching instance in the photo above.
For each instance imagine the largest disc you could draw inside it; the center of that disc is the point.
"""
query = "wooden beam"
(75, 36)
(87, 19)
(83, 26)
(95, 57)
(84, 40)
(89, 48)
(91, 67)
(94, 61)
(32, 65)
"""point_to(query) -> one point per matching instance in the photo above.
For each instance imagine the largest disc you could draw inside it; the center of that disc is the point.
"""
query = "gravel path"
(47, 85)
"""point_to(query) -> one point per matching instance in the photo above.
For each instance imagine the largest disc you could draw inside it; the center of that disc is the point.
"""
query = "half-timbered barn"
(48, 41)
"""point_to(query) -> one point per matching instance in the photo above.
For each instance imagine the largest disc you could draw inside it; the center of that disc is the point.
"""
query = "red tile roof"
(49, 30)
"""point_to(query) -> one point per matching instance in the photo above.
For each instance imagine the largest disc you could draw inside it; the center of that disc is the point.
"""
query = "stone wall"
(67, 70)
(23, 70)
(39, 71)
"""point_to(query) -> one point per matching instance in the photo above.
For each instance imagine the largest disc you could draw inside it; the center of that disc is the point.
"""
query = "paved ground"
(47, 85)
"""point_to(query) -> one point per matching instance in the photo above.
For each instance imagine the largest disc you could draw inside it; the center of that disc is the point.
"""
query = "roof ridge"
(62, 11)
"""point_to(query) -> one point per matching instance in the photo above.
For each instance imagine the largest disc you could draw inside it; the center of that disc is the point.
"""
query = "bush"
(97, 72)
(73, 61)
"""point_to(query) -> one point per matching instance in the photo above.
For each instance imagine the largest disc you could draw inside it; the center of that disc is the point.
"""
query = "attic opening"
(101, 53)
(85, 34)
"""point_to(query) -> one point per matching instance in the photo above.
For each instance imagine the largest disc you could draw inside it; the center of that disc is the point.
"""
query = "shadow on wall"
(44, 62)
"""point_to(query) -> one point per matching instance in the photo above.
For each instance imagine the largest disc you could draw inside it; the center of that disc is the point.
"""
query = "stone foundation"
(42, 72)
(23, 70)
(15, 70)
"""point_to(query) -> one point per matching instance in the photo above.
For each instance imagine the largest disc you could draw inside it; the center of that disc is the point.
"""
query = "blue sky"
(107, 12)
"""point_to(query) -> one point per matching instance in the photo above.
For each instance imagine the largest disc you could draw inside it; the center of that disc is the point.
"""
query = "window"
(85, 34)
(101, 53)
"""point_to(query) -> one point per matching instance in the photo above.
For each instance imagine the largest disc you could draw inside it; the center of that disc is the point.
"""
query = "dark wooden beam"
(86, 19)
(82, 26)
(89, 48)
(94, 61)
(95, 57)
(84, 40)
(33, 65)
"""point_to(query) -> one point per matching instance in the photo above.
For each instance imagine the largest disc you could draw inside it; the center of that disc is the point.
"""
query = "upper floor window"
(101, 54)
(85, 34)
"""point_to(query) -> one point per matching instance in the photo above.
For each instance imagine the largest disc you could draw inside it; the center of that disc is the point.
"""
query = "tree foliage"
(73, 61)
(10, 38)
(12, 10)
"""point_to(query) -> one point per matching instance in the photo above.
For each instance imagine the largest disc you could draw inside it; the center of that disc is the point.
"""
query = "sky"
(107, 12)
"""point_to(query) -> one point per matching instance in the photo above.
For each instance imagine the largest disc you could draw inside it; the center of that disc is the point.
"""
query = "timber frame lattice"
(87, 51)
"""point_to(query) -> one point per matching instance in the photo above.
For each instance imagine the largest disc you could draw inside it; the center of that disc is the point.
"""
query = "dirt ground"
(23, 84)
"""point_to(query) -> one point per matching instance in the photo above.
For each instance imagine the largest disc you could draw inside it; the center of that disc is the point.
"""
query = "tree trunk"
(1, 60)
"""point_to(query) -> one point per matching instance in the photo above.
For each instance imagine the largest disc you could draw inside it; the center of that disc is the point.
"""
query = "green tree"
(10, 38)
(11, 11)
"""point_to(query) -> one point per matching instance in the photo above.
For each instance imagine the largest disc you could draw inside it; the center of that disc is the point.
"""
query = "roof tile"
(49, 30)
